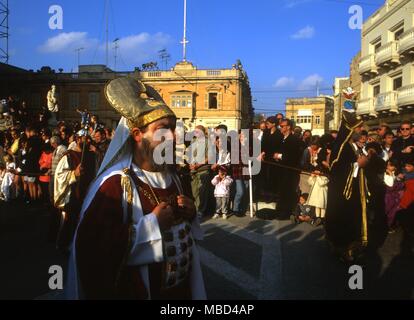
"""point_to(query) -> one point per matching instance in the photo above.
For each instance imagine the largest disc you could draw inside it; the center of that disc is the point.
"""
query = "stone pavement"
(242, 258)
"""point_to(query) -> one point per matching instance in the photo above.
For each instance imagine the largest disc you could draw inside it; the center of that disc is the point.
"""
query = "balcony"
(407, 42)
(388, 54)
(386, 102)
(406, 96)
(367, 65)
(365, 107)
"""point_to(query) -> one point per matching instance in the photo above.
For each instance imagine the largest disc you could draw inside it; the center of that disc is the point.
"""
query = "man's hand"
(408, 149)
(362, 161)
(276, 156)
(92, 148)
(78, 171)
(165, 216)
(261, 157)
(187, 206)
(214, 167)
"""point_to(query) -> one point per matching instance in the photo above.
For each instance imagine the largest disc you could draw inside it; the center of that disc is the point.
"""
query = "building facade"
(386, 66)
(316, 114)
(197, 96)
(355, 79)
(339, 86)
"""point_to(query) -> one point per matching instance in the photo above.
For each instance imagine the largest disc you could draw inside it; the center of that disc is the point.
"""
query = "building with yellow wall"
(316, 113)
(197, 96)
(386, 66)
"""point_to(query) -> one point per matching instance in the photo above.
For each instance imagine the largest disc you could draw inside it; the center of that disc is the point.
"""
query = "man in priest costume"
(346, 212)
(138, 225)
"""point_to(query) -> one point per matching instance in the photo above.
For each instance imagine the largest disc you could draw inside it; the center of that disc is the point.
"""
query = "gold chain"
(152, 190)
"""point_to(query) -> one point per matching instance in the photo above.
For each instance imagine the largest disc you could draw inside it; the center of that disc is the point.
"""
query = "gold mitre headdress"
(140, 104)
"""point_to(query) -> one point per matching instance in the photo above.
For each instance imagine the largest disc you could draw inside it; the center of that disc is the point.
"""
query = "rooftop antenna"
(116, 47)
(4, 31)
(184, 42)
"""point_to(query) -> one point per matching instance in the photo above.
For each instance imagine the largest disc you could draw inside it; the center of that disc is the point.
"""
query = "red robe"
(102, 244)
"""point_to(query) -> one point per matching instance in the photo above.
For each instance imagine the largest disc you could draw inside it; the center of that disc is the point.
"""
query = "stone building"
(316, 113)
(198, 96)
(386, 66)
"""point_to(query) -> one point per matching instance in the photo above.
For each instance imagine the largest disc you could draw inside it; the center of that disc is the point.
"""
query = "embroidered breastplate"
(177, 241)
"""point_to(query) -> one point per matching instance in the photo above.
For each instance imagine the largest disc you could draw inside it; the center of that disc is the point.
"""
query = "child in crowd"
(303, 212)
(394, 191)
(408, 196)
(222, 183)
(318, 195)
(7, 183)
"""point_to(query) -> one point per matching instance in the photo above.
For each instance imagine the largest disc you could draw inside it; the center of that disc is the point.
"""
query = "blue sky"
(283, 44)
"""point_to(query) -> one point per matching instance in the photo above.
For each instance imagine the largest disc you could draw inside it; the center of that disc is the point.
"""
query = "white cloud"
(306, 33)
(284, 82)
(67, 42)
(133, 49)
(141, 47)
(310, 82)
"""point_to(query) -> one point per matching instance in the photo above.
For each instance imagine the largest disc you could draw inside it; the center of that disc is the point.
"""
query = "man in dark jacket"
(402, 148)
(271, 143)
(289, 154)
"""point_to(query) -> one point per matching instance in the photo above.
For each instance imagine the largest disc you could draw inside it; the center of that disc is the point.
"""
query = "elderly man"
(138, 225)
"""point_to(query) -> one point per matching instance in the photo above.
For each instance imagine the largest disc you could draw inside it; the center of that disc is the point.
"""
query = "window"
(74, 100)
(93, 100)
(304, 119)
(213, 100)
(376, 90)
(398, 33)
(397, 83)
(318, 120)
(185, 101)
(377, 46)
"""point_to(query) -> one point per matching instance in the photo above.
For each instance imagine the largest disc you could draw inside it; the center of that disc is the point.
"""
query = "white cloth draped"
(147, 244)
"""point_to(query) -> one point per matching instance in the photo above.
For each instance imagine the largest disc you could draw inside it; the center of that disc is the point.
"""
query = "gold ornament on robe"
(140, 104)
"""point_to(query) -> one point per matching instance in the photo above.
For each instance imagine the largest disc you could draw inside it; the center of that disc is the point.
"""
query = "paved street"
(242, 258)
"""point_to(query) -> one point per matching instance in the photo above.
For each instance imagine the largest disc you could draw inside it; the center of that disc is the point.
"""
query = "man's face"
(363, 139)
(405, 130)
(270, 125)
(381, 131)
(284, 127)
(14, 135)
(306, 135)
(302, 200)
(389, 139)
(263, 126)
(334, 135)
(147, 141)
(98, 137)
